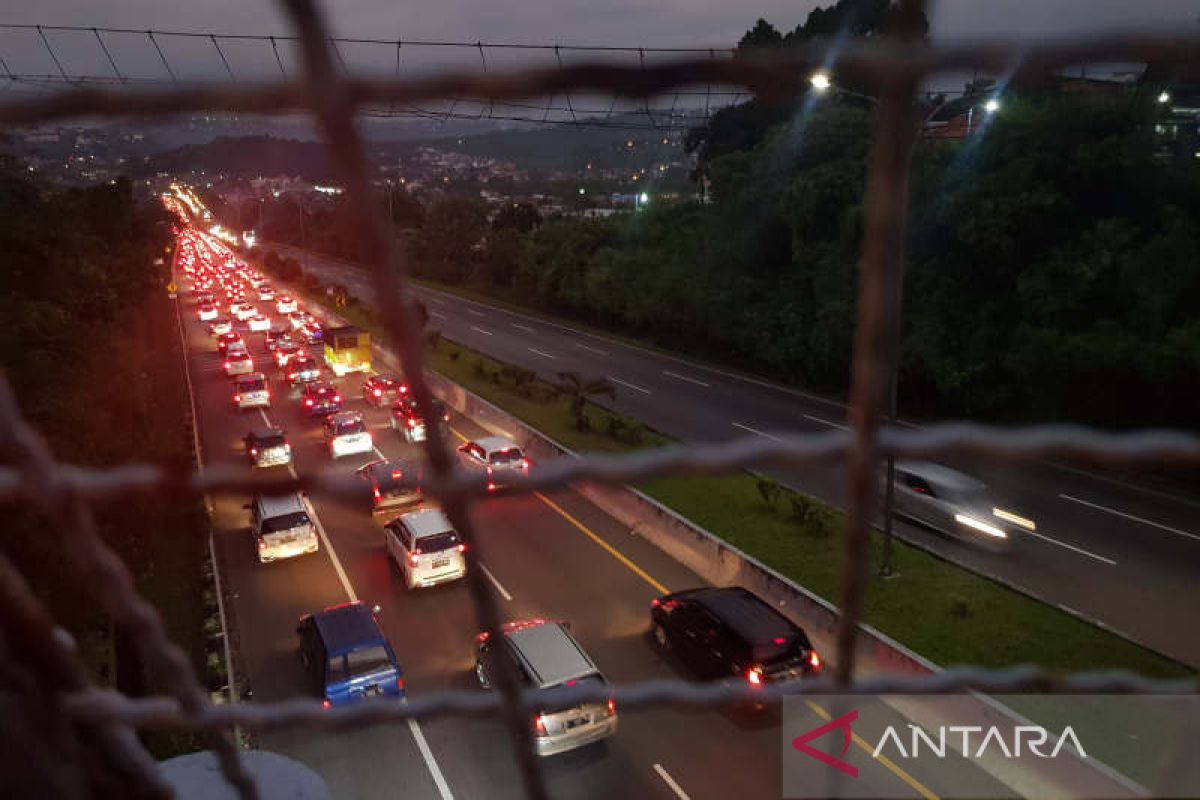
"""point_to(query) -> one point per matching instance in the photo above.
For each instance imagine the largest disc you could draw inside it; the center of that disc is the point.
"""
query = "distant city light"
(582, 190)
(820, 81)
(1164, 97)
(644, 198)
(327, 189)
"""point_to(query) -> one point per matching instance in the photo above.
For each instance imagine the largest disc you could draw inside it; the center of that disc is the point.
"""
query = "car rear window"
(437, 542)
(254, 385)
(273, 440)
(346, 428)
(551, 703)
(388, 475)
(367, 660)
(506, 457)
(284, 522)
(780, 646)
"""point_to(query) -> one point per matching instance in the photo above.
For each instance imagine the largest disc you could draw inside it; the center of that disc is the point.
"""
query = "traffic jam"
(272, 352)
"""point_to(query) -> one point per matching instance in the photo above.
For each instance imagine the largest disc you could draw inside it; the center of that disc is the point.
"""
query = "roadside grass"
(947, 614)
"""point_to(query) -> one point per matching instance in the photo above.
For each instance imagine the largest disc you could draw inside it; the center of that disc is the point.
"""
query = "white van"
(282, 527)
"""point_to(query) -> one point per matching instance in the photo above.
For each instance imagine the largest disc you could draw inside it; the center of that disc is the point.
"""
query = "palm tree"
(579, 389)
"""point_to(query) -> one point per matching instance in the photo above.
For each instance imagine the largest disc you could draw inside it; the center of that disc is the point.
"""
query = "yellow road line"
(612, 551)
(595, 537)
(896, 770)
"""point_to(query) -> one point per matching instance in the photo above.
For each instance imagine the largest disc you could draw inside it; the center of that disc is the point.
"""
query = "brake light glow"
(754, 675)
(237, 398)
(539, 726)
(482, 637)
(308, 402)
(814, 661)
(611, 707)
(524, 463)
(462, 548)
(413, 560)
(227, 365)
(325, 703)
(412, 423)
(378, 496)
(337, 398)
(378, 392)
(400, 683)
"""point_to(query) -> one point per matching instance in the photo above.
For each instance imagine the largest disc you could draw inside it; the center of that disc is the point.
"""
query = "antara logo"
(842, 723)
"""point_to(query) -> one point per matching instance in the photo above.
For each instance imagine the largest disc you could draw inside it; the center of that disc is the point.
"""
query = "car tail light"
(400, 684)
(308, 402)
(413, 559)
(412, 423)
(524, 463)
(253, 451)
(489, 470)
(754, 675)
(611, 708)
(462, 548)
(378, 392)
(325, 703)
(539, 726)
(491, 486)
(291, 376)
(814, 661)
(482, 637)
(378, 496)
(237, 398)
(403, 389)
(337, 398)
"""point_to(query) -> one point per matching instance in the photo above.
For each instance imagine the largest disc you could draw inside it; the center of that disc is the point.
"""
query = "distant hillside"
(249, 156)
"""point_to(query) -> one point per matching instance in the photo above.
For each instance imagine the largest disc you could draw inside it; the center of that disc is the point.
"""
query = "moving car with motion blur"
(275, 335)
(267, 447)
(956, 505)
(285, 304)
(245, 312)
(220, 325)
(281, 527)
(383, 388)
(394, 483)
(284, 351)
(546, 656)
(408, 421)
(723, 633)
(346, 434)
(302, 369)
(265, 293)
(251, 391)
(496, 457)
(319, 398)
(347, 349)
(259, 323)
(237, 362)
(310, 333)
(207, 312)
(229, 340)
(347, 657)
(425, 548)
(299, 318)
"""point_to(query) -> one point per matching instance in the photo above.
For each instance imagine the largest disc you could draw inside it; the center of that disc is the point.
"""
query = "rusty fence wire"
(93, 728)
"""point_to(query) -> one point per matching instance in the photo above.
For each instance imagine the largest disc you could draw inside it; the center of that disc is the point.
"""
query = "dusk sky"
(624, 22)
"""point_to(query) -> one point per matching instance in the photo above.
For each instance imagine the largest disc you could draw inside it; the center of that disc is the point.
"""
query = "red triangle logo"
(842, 723)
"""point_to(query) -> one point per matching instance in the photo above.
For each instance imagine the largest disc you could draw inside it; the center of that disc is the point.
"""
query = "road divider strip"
(1131, 517)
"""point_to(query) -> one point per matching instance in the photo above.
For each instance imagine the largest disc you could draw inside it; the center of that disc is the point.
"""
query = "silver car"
(495, 456)
(546, 656)
(251, 391)
(955, 504)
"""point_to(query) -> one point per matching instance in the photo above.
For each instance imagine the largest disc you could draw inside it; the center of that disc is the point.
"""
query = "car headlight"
(1015, 519)
(979, 525)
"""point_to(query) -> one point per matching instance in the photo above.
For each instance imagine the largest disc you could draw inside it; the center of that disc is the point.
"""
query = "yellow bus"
(347, 350)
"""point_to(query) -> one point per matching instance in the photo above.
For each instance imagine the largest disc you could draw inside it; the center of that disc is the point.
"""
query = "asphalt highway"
(549, 555)
(1121, 554)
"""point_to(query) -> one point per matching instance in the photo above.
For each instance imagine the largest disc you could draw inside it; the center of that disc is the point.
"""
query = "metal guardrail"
(95, 727)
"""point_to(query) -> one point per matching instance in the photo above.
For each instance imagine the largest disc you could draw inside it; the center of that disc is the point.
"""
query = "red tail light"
(325, 703)
(413, 560)
(539, 726)
(814, 661)
(655, 603)
(237, 398)
(611, 708)
(308, 402)
(378, 496)
(400, 684)
(524, 463)
(491, 487)
(378, 392)
(462, 548)
(754, 676)
(412, 423)
(227, 365)
(337, 398)
(253, 451)
(482, 637)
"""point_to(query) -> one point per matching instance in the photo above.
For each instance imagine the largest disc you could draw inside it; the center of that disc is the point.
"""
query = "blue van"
(347, 657)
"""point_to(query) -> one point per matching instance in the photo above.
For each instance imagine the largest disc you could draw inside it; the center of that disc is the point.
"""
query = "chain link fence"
(84, 735)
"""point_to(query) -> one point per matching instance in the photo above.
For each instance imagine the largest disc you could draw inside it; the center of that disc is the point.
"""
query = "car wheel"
(483, 681)
(660, 637)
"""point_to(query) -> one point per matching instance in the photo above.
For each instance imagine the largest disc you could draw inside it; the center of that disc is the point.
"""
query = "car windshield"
(284, 522)
(368, 660)
(252, 385)
(354, 426)
(506, 457)
(783, 644)
(437, 542)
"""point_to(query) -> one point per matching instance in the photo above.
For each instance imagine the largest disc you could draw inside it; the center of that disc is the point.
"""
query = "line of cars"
(714, 633)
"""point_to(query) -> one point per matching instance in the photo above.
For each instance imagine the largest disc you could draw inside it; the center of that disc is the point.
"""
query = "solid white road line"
(476, 313)
(525, 328)
(481, 330)
(540, 353)
(670, 782)
(755, 432)
(414, 728)
(437, 315)
(685, 378)
(595, 350)
(628, 385)
(1142, 520)
(837, 425)
(1072, 547)
(437, 300)
(266, 420)
(503, 592)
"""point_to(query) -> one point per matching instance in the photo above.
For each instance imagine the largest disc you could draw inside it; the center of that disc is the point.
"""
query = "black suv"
(721, 633)
(408, 422)
(380, 389)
